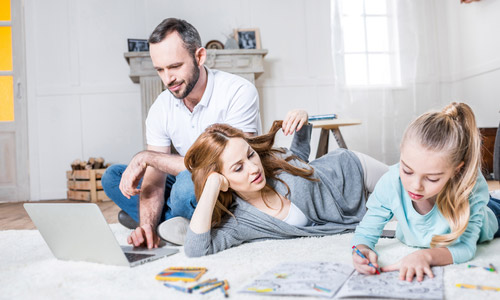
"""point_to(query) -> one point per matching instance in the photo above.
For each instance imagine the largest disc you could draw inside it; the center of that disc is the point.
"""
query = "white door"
(14, 180)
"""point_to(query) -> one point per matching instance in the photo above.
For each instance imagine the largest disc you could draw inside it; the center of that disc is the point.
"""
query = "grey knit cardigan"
(335, 203)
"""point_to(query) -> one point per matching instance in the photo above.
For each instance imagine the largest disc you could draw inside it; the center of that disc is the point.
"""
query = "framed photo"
(214, 44)
(137, 45)
(247, 38)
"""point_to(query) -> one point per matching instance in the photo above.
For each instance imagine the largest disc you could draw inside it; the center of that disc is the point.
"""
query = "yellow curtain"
(6, 79)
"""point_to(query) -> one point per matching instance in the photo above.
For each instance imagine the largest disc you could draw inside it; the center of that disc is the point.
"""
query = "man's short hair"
(186, 31)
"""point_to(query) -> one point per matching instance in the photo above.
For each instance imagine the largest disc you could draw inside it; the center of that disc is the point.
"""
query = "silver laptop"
(78, 231)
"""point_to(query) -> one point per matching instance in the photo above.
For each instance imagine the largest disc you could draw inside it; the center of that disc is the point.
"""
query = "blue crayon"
(369, 263)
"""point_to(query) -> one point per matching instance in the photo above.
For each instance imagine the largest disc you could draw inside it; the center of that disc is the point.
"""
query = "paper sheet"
(301, 279)
(388, 285)
(328, 279)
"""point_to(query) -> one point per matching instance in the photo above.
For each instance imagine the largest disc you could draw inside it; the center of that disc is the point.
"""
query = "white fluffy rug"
(28, 270)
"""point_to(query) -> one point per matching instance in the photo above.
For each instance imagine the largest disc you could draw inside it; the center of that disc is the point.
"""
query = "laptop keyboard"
(132, 257)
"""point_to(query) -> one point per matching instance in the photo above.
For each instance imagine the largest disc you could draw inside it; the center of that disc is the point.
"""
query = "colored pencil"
(202, 284)
(187, 268)
(321, 289)
(491, 268)
(226, 288)
(362, 256)
(224, 291)
(213, 287)
(179, 288)
(477, 287)
(266, 290)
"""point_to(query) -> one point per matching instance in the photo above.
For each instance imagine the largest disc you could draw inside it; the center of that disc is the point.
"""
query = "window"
(369, 42)
(6, 71)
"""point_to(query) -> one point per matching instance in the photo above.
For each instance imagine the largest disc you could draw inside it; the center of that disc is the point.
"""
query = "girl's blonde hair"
(203, 158)
(453, 132)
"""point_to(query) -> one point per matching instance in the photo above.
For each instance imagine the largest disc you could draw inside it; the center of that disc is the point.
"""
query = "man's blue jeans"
(494, 205)
(179, 194)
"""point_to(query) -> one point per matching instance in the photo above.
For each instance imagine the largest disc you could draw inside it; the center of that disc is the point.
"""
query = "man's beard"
(190, 83)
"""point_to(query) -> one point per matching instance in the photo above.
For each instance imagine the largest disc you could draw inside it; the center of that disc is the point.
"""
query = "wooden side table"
(332, 125)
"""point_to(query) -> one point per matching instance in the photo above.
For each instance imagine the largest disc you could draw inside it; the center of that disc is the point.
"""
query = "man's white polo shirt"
(227, 99)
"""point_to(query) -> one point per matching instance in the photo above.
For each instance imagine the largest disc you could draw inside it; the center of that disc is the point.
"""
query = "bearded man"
(155, 188)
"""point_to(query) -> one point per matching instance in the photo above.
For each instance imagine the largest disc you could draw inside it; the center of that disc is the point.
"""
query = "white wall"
(82, 102)
(477, 75)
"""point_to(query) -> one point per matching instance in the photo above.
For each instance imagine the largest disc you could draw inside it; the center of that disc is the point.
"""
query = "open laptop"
(78, 231)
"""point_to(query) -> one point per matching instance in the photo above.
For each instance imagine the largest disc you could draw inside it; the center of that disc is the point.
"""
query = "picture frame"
(137, 45)
(248, 38)
(214, 44)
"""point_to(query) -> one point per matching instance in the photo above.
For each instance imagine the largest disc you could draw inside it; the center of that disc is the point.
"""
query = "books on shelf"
(322, 117)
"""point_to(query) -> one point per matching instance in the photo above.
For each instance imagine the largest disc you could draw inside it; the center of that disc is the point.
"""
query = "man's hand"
(144, 236)
(415, 264)
(294, 120)
(132, 176)
(361, 264)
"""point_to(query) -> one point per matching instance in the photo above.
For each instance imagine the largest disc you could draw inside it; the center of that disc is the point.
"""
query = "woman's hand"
(361, 264)
(416, 264)
(217, 179)
(202, 216)
(294, 121)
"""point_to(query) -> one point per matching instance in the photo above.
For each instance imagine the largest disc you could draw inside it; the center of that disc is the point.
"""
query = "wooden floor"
(13, 215)
(493, 185)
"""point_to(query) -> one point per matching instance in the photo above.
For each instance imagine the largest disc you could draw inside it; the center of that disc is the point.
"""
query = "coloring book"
(328, 279)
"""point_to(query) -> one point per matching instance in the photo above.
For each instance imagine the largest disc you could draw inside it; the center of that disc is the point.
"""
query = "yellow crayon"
(477, 287)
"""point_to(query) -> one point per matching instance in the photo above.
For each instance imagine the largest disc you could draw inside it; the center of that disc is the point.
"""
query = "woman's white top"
(296, 217)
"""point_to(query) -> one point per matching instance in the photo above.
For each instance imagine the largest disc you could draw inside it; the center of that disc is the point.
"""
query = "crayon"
(477, 287)
(362, 256)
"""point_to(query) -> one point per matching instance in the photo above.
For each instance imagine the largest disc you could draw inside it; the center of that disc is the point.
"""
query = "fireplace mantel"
(247, 63)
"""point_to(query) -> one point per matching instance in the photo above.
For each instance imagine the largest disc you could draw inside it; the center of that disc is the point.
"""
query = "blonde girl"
(437, 194)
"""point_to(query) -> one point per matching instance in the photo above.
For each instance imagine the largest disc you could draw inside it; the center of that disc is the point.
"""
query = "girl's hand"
(294, 121)
(415, 264)
(361, 264)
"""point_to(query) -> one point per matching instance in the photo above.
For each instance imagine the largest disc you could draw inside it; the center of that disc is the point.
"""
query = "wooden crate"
(86, 185)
